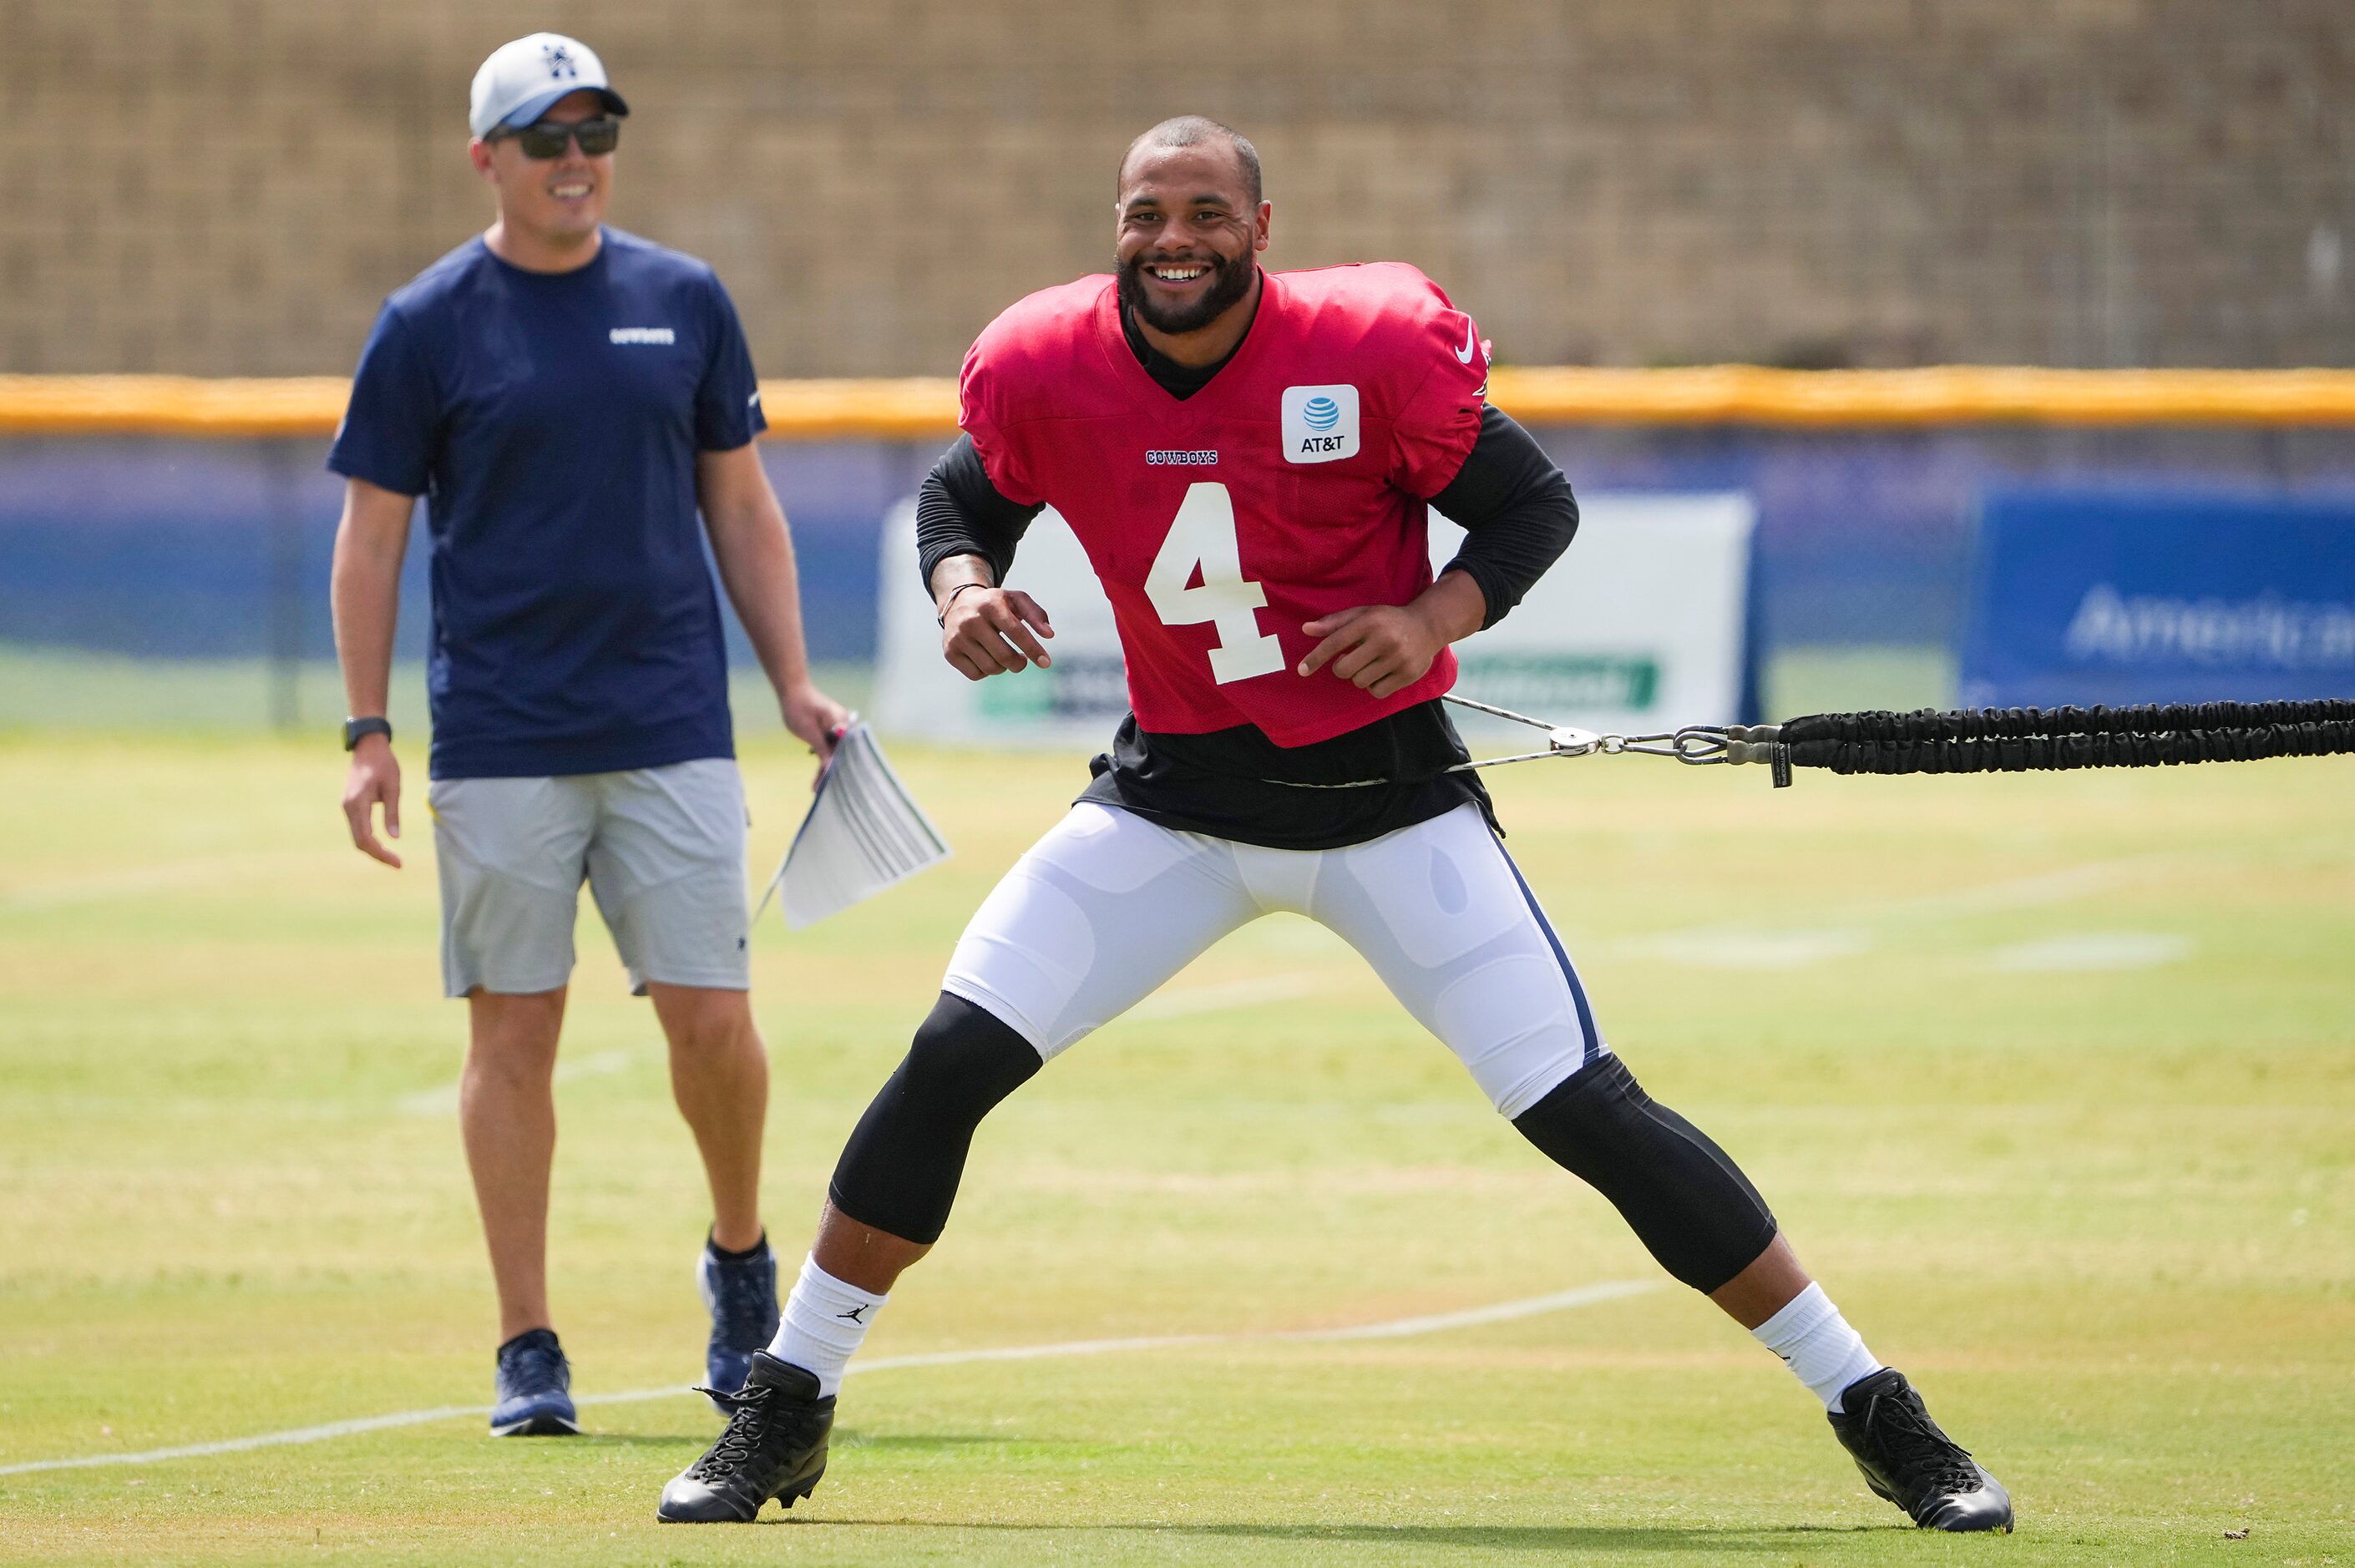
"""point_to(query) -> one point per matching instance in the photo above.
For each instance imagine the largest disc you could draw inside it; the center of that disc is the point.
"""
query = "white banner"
(1638, 627)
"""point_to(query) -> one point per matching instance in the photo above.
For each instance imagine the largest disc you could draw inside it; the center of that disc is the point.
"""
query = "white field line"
(2090, 952)
(137, 880)
(1737, 945)
(1396, 1328)
(1227, 994)
(442, 1099)
(2062, 887)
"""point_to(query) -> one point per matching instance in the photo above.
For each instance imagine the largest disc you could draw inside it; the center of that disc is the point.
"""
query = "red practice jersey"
(1289, 487)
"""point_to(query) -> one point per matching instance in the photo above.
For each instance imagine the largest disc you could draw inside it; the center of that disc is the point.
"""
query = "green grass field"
(2052, 1079)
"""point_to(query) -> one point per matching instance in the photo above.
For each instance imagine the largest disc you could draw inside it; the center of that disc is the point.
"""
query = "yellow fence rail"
(925, 406)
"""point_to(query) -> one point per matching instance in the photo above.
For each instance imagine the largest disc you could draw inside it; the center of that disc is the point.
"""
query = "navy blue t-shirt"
(551, 422)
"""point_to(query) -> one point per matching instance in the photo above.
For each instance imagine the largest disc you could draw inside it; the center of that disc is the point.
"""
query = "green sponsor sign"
(1553, 682)
(1028, 695)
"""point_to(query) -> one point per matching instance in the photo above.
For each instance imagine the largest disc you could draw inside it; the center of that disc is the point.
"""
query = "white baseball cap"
(522, 80)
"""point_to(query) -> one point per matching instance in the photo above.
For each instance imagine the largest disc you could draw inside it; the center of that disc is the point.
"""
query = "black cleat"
(1906, 1459)
(774, 1448)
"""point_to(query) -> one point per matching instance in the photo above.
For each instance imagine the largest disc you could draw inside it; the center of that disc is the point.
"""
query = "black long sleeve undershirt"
(1516, 509)
(960, 513)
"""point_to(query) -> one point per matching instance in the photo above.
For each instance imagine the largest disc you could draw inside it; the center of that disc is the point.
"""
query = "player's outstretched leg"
(898, 1174)
(1054, 951)
(1699, 1216)
(1447, 920)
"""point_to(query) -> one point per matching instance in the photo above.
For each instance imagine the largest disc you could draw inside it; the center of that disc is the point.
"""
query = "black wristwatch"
(359, 729)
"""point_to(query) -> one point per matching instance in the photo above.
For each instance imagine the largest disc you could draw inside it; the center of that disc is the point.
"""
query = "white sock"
(824, 1323)
(1822, 1351)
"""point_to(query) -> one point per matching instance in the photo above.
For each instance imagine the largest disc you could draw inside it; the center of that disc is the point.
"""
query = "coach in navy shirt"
(568, 397)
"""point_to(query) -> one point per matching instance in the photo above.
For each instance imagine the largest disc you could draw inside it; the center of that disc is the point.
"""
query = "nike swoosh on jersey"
(1471, 341)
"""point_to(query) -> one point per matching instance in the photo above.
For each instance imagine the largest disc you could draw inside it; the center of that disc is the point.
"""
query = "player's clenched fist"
(990, 630)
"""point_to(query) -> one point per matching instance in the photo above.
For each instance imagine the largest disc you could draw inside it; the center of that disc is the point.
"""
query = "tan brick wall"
(229, 185)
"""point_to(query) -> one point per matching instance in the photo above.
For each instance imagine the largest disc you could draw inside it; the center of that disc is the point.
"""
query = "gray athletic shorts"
(661, 848)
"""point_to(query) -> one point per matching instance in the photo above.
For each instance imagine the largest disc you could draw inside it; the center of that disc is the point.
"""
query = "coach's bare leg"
(506, 1112)
(720, 1076)
(858, 1253)
(1770, 1282)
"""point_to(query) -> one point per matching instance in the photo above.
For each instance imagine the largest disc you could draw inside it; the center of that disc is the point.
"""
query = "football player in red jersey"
(1248, 457)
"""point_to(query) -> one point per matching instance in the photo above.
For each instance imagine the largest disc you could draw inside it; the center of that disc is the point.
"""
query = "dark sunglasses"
(545, 139)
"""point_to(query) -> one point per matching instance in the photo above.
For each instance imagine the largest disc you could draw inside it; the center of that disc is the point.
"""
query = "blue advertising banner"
(2121, 597)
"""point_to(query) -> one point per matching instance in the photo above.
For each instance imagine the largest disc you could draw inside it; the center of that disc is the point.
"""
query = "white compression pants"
(1108, 905)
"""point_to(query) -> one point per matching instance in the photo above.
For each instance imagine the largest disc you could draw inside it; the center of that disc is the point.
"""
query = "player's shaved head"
(1195, 131)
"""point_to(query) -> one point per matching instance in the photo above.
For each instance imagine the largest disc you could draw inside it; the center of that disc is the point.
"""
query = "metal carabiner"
(1701, 745)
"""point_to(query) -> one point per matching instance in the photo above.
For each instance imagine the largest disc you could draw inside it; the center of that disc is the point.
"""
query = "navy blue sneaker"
(740, 1294)
(534, 1383)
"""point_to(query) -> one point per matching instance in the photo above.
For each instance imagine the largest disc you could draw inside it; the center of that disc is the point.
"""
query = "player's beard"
(1229, 282)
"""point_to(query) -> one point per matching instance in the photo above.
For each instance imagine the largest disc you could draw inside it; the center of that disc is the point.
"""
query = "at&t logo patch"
(1320, 423)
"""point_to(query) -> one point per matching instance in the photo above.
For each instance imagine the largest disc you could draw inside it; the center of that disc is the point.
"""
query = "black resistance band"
(1983, 740)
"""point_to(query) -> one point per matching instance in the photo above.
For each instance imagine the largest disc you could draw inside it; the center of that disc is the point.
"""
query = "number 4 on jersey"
(1203, 534)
